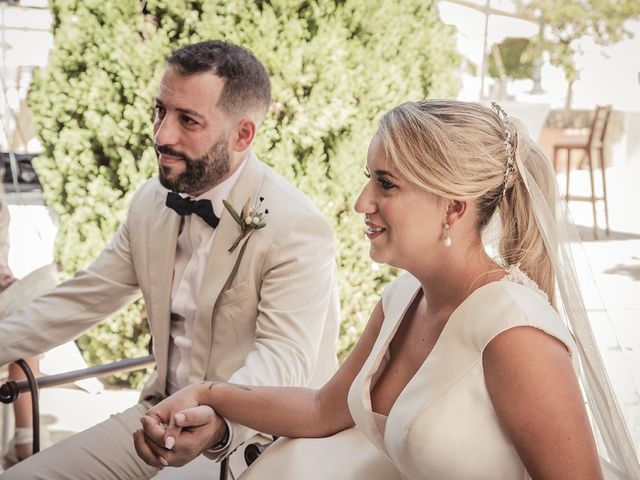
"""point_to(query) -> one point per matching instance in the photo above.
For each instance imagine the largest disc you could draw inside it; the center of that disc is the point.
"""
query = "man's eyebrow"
(192, 113)
(186, 111)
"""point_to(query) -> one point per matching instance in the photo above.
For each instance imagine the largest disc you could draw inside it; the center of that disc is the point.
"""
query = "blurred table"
(533, 115)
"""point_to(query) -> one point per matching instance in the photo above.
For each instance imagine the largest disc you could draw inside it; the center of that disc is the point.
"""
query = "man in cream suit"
(225, 300)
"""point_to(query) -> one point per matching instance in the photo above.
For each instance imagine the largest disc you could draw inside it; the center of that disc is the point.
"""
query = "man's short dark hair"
(247, 86)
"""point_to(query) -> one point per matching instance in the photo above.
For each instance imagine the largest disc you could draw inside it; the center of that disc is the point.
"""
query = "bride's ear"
(456, 211)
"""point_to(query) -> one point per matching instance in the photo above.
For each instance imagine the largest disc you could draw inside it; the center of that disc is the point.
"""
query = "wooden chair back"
(599, 125)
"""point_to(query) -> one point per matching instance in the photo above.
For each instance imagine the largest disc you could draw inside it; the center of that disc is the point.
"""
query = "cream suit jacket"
(268, 312)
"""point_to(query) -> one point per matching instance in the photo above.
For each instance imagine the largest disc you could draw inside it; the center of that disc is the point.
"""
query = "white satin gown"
(443, 425)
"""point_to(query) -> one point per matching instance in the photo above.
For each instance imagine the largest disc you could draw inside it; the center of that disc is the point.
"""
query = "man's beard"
(201, 173)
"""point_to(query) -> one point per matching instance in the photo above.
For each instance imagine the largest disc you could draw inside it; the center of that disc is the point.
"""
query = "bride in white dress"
(468, 366)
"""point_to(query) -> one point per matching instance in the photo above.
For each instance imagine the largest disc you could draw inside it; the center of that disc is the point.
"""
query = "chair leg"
(224, 469)
(604, 191)
(593, 195)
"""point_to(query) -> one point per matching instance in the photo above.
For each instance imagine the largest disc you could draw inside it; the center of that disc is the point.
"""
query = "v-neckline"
(375, 370)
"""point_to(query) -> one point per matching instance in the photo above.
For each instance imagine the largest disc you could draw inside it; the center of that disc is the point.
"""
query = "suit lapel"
(220, 264)
(162, 238)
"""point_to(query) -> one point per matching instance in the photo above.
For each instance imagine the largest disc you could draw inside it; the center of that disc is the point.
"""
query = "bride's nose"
(365, 203)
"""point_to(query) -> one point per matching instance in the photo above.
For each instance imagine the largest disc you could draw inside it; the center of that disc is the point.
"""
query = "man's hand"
(6, 277)
(193, 431)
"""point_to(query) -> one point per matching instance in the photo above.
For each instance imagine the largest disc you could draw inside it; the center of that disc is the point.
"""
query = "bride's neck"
(449, 284)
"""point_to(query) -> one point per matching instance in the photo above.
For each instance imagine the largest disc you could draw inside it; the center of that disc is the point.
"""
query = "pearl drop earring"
(447, 238)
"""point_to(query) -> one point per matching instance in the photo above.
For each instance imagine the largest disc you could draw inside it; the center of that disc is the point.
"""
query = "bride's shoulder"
(514, 301)
(516, 291)
(515, 275)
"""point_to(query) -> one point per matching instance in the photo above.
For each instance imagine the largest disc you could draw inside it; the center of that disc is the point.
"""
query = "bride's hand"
(201, 430)
(164, 412)
(162, 440)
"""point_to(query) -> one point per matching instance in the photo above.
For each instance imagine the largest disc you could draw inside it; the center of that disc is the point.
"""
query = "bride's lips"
(373, 230)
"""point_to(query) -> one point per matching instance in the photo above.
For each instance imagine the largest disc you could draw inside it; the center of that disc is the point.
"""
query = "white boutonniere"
(249, 219)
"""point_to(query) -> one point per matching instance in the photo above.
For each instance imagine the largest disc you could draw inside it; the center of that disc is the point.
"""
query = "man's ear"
(244, 134)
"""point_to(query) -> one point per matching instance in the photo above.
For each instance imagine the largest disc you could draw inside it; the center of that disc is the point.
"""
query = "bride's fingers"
(194, 417)
(190, 417)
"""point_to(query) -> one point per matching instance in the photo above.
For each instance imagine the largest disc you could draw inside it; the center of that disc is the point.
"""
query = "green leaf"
(233, 212)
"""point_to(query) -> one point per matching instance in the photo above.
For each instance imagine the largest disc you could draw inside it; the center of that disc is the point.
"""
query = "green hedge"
(335, 66)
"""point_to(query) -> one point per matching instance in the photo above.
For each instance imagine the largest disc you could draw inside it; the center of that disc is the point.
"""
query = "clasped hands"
(177, 430)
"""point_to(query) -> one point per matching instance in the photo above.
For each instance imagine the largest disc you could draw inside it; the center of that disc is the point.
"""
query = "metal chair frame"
(11, 390)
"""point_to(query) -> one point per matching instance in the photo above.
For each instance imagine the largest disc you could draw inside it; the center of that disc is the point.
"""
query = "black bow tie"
(186, 206)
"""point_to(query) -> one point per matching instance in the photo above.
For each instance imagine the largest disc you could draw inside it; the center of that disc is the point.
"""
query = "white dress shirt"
(193, 247)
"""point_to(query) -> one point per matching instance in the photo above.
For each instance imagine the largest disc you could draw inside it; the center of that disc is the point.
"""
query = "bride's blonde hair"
(461, 150)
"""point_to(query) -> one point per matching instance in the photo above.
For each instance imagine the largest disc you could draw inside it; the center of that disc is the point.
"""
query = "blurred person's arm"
(107, 285)
(6, 277)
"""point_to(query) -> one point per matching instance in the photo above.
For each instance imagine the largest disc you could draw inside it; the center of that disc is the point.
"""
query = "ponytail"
(521, 242)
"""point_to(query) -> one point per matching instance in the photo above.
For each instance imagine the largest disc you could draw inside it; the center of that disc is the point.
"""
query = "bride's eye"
(385, 184)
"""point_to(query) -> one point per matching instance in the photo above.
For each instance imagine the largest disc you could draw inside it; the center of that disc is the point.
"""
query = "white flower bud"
(256, 220)
(247, 219)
